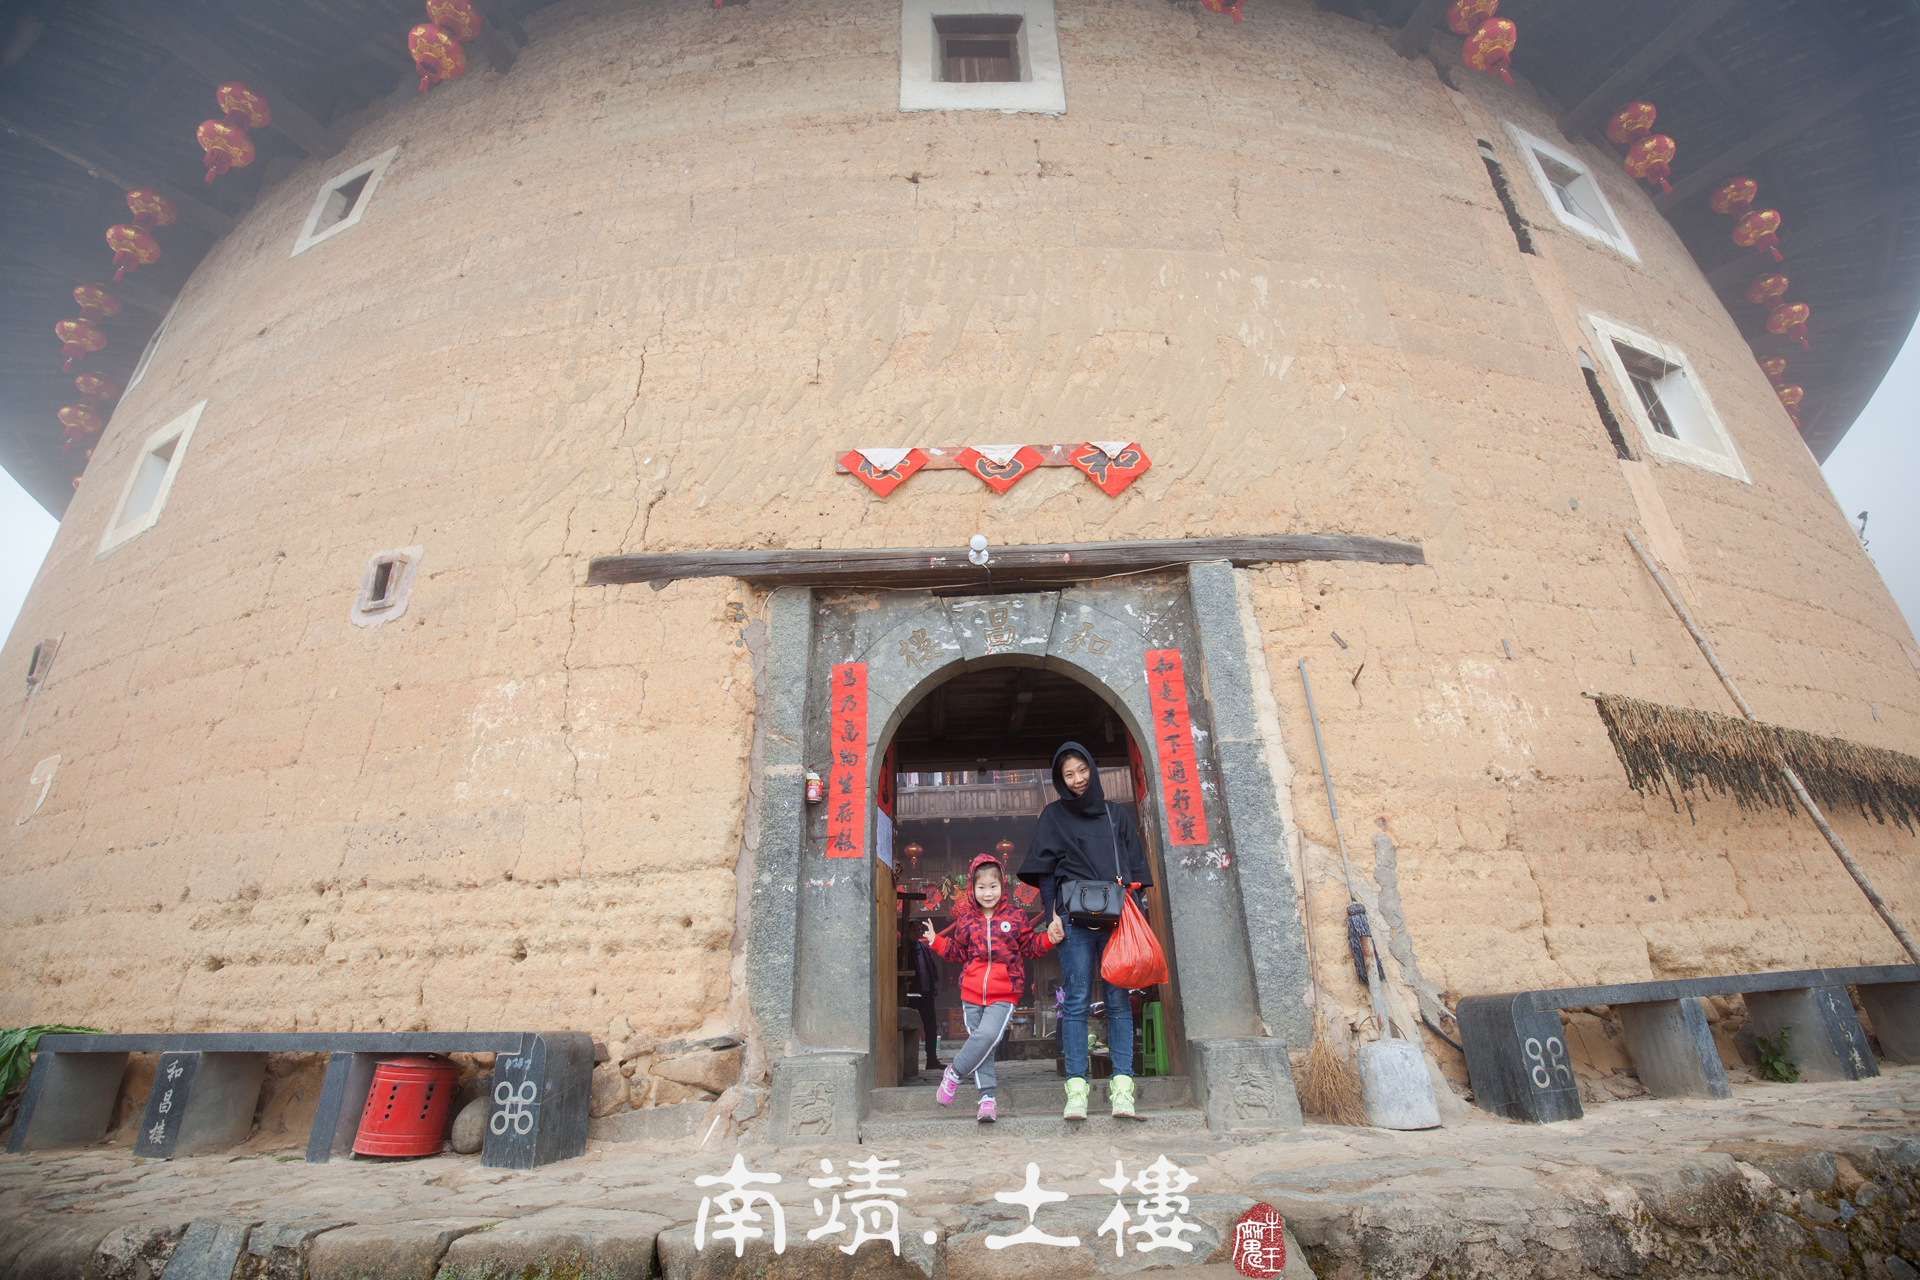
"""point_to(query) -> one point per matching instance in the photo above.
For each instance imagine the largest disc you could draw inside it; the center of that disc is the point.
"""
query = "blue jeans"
(1080, 953)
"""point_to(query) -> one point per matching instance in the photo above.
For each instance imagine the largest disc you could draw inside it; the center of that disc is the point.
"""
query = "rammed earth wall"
(638, 294)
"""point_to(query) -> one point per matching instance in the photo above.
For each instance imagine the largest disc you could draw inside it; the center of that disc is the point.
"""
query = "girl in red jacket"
(991, 935)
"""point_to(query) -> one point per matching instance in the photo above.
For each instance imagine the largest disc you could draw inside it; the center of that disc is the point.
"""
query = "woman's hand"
(927, 925)
(1056, 932)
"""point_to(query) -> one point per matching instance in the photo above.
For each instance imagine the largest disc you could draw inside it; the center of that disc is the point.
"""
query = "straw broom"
(1329, 1084)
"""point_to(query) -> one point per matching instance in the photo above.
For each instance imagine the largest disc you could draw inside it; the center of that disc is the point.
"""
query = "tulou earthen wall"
(640, 293)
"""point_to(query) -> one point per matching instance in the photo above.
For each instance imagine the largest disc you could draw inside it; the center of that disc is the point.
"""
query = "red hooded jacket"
(994, 948)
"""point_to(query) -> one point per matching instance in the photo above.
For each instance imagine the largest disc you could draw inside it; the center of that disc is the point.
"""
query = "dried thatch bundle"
(1663, 747)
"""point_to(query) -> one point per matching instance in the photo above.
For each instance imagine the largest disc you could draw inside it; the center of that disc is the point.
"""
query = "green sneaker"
(1120, 1093)
(1076, 1100)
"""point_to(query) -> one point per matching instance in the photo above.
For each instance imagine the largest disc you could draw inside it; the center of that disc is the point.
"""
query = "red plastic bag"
(1133, 958)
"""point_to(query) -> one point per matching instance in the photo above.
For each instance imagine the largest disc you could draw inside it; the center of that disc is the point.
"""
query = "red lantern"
(1490, 48)
(1789, 320)
(1774, 367)
(80, 336)
(1734, 196)
(94, 389)
(96, 300)
(132, 249)
(1003, 849)
(80, 421)
(1756, 231)
(913, 852)
(436, 54)
(1768, 289)
(1790, 396)
(1465, 16)
(460, 18)
(227, 147)
(150, 208)
(1212, 6)
(1632, 121)
(1647, 159)
(245, 108)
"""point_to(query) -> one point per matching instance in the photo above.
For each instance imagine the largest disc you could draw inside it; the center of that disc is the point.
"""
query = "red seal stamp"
(1260, 1242)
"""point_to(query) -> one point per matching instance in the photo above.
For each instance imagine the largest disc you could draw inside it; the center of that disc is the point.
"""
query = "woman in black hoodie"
(1081, 836)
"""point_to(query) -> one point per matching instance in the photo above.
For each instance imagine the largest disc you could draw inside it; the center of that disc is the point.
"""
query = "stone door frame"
(1239, 951)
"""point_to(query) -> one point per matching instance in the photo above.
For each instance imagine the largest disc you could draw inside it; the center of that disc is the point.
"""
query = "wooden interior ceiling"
(1817, 99)
(1007, 718)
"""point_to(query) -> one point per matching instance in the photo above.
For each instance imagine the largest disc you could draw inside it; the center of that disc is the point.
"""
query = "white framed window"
(153, 345)
(1568, 187)
(980, 55)
(342, 199)
(1660, 392)
(150, 481)
(386, 586)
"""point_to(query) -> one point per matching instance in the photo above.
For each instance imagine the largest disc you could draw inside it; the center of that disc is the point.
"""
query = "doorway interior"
(967, 772)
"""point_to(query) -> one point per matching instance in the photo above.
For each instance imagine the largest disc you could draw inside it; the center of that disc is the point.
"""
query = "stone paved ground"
(1794, 1180)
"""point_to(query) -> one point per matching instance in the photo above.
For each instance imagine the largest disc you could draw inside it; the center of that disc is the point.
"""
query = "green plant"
(16, 1046)
(1773, 1061)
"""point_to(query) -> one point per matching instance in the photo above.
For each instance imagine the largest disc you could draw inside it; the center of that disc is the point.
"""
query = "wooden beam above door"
(1056, 564)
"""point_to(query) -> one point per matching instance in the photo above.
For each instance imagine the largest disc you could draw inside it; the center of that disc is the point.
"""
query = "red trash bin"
(409, 1107)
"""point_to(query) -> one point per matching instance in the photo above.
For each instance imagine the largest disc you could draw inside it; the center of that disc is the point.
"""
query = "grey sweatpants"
(986, 1026)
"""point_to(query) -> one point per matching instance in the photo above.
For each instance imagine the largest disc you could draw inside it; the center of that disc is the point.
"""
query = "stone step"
(896, 1132)
(1030, 1097)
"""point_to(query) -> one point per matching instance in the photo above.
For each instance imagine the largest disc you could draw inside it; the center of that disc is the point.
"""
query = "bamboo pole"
(1794, 784)
(1326, 776)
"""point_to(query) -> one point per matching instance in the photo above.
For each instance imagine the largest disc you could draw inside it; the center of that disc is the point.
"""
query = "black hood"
(1093, 801)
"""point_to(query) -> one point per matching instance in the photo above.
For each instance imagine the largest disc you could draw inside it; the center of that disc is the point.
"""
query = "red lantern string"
(436, 43)
(78, 338)
(1756, 230)
(1768, 290)
(80, 421)
(1490, 48)
(132, 244)
(1789, 320)
(1465, 16)
(1635, 120)
(225, 140)
(1734, 197)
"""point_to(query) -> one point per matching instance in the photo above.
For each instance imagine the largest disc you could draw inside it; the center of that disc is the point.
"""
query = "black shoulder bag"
(1095, 904)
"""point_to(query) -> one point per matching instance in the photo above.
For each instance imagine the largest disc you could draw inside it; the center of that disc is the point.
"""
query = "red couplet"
(409, 1107)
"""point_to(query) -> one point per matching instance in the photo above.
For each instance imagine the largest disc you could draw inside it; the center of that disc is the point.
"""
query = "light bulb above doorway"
(977, 549)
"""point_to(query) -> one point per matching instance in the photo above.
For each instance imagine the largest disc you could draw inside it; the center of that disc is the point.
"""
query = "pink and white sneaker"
(989, 1113)
(948, 1083)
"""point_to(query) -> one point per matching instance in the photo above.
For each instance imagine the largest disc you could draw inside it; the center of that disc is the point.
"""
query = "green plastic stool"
(1153, 1041)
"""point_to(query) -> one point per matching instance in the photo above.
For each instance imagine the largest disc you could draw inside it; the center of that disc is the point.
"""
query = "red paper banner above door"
(1173, 736)
(847, 775)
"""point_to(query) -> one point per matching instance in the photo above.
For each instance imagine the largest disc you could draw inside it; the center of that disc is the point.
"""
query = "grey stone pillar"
(68, 1100)
(771, 920)
(1826, 1040)
(200, 1102)
(343, 1098)
(1673, 1051)
(1895, 1010)
(1257, 832)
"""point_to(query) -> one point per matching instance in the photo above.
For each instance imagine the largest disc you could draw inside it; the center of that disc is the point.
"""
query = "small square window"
(1666, 400)
(385, 587)
(342, 199)
(982, 50)
(980, 55)
(145, 492)
(1572, 192)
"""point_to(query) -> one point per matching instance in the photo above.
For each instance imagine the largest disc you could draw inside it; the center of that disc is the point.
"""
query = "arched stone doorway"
(971, 763)
(1166, 652)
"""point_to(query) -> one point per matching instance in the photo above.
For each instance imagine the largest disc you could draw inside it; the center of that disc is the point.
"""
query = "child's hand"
(1056, 933)
(927, 925)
